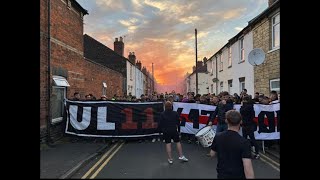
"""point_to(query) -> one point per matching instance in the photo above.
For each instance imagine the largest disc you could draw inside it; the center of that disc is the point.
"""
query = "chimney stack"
(144, 70)
(138, 64)
(205, 60)
(118, 46)
(132, 58)
(199, 64)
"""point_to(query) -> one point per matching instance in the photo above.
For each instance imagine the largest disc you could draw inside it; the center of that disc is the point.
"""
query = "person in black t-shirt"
(248, 125)
(233, 151)
(170, 126)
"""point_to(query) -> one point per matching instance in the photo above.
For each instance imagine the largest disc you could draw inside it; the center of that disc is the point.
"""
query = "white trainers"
(170, 161)
(183, 158)
(153, 140)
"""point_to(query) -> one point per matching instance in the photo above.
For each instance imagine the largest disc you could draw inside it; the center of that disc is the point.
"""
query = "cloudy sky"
(162, 31)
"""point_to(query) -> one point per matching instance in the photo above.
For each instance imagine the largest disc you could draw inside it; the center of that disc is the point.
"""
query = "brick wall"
(270, 69)
(43, 63)
(66, 24)
(95, 74)
(67, 60)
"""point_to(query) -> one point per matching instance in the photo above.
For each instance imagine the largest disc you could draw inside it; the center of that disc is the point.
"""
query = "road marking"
(266, 157)
(105, 163)
(101, 159)
(276, 168)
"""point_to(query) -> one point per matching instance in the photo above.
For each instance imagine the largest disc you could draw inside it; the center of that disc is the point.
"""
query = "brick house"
(266, 35)
(69, 71)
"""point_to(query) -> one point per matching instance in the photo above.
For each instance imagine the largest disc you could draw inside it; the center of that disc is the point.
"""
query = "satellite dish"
(256, 56)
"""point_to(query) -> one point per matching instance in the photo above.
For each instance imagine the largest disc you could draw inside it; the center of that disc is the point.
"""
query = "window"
(57, 103)
(229, 85)
(275, 85)
(211, 88)
(104, 88)
(242, 84)
(221, 63)
(276, 31)
(221, 86)
(130, 71)
(212, 65)
(229, 57)
(57, 98)
(241, 50)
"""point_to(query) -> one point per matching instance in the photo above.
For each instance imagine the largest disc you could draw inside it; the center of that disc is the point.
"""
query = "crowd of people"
(223, 102)
(210, 99)
(229, 121)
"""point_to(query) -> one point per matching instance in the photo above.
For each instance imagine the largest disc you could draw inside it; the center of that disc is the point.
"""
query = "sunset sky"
(162, 32)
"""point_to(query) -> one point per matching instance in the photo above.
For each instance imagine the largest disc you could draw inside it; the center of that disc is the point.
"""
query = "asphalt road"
(148, 160)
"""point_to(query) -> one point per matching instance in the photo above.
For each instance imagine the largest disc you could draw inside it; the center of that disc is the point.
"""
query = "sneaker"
(153, 140)
(189, 141)
(170, 161)
(158, 139)
(257, 156)
(163, 141)
(183, 158)
(172, 140)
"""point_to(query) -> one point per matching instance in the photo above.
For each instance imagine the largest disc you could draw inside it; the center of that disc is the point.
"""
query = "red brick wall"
(66, 24)
(84, 76)
(67, 53)
(43, 62)
(95, 74)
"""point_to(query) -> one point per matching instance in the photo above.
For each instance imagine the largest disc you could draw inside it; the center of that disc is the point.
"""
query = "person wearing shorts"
(170, 126)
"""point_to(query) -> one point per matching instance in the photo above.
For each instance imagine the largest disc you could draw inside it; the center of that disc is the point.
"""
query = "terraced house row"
(228, 69)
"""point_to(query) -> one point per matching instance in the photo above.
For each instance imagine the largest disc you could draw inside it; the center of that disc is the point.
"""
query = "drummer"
(170, 126)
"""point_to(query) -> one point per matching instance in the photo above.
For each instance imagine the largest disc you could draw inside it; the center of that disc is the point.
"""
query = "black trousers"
(248, 130)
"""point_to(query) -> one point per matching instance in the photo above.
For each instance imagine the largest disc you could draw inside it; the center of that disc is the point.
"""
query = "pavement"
(68, 155)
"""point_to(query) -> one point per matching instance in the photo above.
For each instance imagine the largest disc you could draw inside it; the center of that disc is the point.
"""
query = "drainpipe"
(217, 76)
(49, 141)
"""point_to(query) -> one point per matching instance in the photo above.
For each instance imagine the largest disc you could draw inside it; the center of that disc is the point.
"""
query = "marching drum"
(205, 136)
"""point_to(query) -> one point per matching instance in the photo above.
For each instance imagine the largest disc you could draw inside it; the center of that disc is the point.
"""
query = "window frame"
(273, 80)
(242, 84)
(272, 31)
(221, 86)
(131, 72)
(59, 119)
(229, 57)
(242, 52)
(230, 85)
(221, 63)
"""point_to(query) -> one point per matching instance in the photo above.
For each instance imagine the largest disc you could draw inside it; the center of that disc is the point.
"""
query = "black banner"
(112, 119)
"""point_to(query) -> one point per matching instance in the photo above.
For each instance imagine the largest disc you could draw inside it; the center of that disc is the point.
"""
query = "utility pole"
(196, 62)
